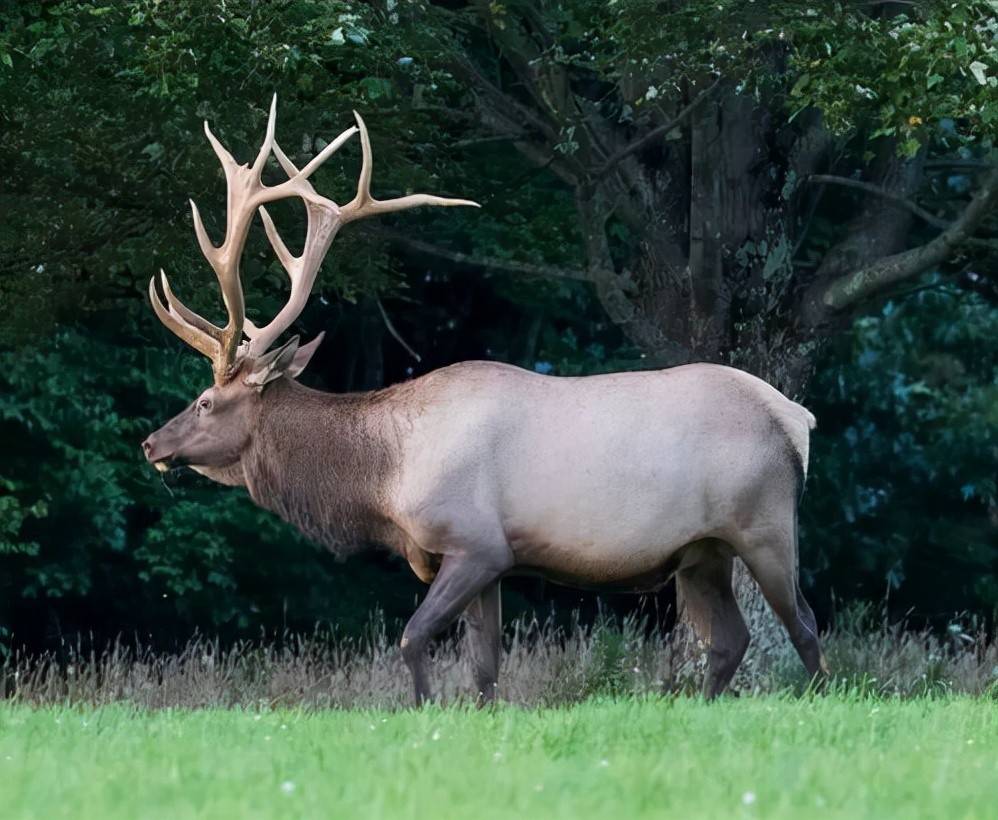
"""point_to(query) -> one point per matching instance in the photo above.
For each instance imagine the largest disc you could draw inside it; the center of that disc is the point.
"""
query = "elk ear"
(303, 356)
(272, 365)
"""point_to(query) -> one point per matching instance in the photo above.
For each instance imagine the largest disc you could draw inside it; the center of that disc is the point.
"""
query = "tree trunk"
(718, 296)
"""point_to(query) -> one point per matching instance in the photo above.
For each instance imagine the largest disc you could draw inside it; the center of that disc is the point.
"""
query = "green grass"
(772, 757)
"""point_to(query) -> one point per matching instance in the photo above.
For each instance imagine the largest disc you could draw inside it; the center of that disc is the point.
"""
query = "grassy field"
(772, 757)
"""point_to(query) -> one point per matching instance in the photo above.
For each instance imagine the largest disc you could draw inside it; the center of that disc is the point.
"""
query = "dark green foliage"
(902, 498)
(102, 107)
(91, 526)
(897, 69)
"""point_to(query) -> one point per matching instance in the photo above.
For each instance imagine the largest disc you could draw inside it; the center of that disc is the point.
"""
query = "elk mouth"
(165, 464)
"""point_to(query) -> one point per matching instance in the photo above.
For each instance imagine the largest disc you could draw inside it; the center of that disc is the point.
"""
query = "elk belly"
(587, 565)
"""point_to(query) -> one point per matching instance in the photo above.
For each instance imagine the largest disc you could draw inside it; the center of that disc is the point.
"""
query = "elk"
(481, 470)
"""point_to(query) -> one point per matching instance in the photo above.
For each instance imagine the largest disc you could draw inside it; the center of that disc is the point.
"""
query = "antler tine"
(204, 241)
(223, 155)
(180, 310)
(193, 336)
(284, 256)
(322, 156)
(364, 205)
(268, 140)
(323, 223)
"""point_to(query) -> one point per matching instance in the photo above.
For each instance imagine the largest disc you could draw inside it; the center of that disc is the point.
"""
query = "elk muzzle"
(156, 454)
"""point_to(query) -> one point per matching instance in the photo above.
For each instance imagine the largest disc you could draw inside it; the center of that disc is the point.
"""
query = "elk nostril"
(146, 447)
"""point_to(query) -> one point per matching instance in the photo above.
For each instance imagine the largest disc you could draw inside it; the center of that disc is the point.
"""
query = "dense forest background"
(803, 190)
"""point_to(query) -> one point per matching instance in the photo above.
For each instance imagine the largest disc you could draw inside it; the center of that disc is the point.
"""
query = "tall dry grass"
(542, 665)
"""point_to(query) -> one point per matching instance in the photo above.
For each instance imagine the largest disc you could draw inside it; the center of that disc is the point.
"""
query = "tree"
(702, 143)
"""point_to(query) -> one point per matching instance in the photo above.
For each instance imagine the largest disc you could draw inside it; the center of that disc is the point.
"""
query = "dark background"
(100, 110)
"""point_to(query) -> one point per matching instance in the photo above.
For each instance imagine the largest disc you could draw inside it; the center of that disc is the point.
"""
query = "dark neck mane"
(324, 462)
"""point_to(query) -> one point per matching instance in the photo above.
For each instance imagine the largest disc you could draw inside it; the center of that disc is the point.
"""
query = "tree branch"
(971, 164)
(395, 334)
(472, 141)
(503, 104)
(656, 132)
(900, 201)
(484, 263)
(882, 273)
(505, 115)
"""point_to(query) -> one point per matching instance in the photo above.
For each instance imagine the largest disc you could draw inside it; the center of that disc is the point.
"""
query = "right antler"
(364, 205)
(325, 218)
(246, 193)
(323, 223)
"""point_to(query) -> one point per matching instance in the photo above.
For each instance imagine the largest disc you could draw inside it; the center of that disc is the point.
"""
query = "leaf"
(376, 87)
(933, 80)
(776, 260)
(153, 150)
(979, 70)
(800, 85)
(909, 147)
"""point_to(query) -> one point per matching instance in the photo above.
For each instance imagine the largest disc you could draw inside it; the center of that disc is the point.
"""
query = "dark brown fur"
(323, 463)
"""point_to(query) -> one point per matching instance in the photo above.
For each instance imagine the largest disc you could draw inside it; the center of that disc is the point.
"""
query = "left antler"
(247, 193)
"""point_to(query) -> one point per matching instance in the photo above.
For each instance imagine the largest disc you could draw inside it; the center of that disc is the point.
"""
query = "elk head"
(212, 432)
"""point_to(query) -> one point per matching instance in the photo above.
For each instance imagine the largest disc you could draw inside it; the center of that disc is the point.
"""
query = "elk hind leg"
(708, 602)
(772, 561)
(483, 632)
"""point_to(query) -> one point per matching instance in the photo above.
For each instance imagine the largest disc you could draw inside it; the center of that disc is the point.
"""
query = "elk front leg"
(460, 579)
(483, 624)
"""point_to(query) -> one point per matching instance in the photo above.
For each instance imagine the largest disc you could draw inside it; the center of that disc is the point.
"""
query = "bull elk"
(482, 470)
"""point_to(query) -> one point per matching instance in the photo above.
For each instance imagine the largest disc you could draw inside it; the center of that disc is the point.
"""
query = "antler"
(243, 184)
(246, 193)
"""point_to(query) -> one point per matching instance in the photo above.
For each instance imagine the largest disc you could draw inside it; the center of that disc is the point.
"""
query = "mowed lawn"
(772, 757)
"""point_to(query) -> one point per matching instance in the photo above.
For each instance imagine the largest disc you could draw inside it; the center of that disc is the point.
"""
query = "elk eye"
(204, 405)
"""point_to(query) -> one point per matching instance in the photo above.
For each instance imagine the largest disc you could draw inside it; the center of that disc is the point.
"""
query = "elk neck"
(326, 463)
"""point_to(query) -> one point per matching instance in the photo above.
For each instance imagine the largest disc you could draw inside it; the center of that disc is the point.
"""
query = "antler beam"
(323, 223)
